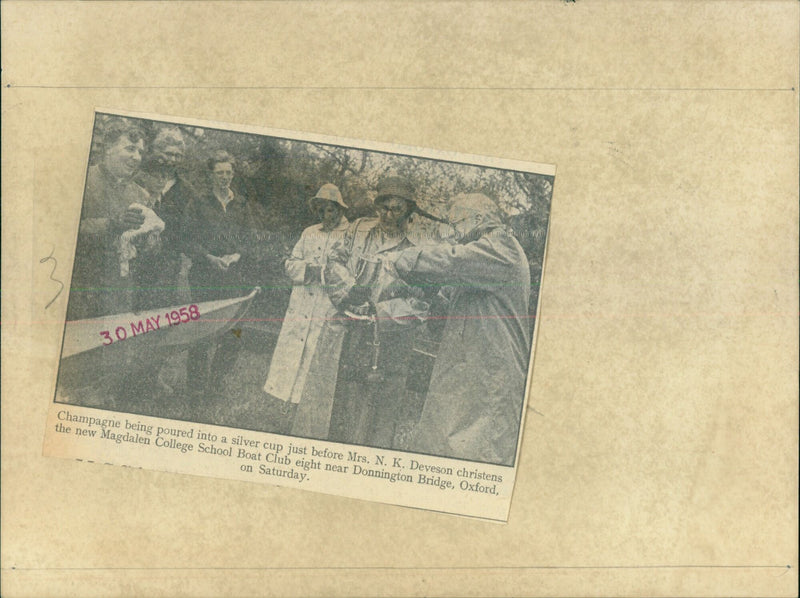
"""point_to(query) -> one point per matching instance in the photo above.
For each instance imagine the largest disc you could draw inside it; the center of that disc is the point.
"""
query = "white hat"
(330, 192)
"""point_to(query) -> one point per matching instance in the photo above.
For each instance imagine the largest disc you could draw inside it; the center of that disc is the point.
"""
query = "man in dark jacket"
(162, 276)
(218, 230)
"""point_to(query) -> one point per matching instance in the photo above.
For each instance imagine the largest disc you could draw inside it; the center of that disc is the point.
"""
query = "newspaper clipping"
(333, 315)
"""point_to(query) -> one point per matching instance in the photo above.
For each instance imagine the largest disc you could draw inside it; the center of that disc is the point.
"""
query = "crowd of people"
(363, 294)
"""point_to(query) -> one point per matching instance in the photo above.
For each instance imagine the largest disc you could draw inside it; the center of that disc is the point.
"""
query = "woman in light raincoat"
(309, 306)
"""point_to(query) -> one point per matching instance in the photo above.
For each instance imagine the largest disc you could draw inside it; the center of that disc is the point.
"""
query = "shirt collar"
(224, 203)
(342, 224)
(169, 185)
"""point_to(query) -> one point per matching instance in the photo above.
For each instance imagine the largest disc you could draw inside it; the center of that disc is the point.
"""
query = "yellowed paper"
(395, 337)
(660, 454)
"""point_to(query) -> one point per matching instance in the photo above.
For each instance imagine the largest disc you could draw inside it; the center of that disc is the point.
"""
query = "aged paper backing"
(349, 435)
(660, 456)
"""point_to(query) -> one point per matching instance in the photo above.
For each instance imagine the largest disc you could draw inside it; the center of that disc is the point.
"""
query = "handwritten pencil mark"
(53, 271)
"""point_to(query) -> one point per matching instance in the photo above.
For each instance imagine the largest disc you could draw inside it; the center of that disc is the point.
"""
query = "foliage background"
(281, 175)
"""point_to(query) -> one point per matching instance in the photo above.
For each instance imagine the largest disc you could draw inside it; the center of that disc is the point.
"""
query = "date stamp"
(174, 317)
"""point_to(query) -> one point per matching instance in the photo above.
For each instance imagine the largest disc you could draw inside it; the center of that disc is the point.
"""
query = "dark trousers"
(209, 362)
(369, 402)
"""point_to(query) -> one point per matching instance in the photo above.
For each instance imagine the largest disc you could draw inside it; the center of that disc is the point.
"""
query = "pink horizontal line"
(338, 319)
(521, 317)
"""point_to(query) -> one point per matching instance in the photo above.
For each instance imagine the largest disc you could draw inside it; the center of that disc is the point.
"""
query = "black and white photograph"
(308, 289)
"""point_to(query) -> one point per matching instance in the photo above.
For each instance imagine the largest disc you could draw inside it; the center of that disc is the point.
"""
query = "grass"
(242, 403)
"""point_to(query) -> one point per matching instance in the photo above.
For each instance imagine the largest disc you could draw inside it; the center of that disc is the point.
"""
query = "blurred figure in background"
(309, 308)
(474, 403)
(163, 278)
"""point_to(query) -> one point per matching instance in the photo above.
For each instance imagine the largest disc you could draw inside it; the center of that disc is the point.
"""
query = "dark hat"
(395, 186)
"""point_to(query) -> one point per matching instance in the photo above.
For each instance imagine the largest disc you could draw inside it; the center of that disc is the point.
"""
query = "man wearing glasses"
(378, 313)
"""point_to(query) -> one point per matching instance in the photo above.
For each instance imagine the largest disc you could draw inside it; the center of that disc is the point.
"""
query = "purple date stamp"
(174, 317)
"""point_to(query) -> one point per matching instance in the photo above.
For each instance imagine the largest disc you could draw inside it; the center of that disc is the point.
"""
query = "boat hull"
(120, 344)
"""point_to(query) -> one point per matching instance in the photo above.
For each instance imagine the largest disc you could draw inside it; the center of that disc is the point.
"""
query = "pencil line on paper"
(400, 88)
(566, 2)
(395, 568)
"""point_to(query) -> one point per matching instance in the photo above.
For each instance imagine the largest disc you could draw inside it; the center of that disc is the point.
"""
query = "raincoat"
(345, 403)
(308, 309)
(474, 402)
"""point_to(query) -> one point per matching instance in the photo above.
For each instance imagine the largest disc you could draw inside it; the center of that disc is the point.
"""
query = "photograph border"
(386, 148)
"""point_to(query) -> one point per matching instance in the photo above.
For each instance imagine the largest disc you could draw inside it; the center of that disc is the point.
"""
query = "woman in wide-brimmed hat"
(309, 305)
